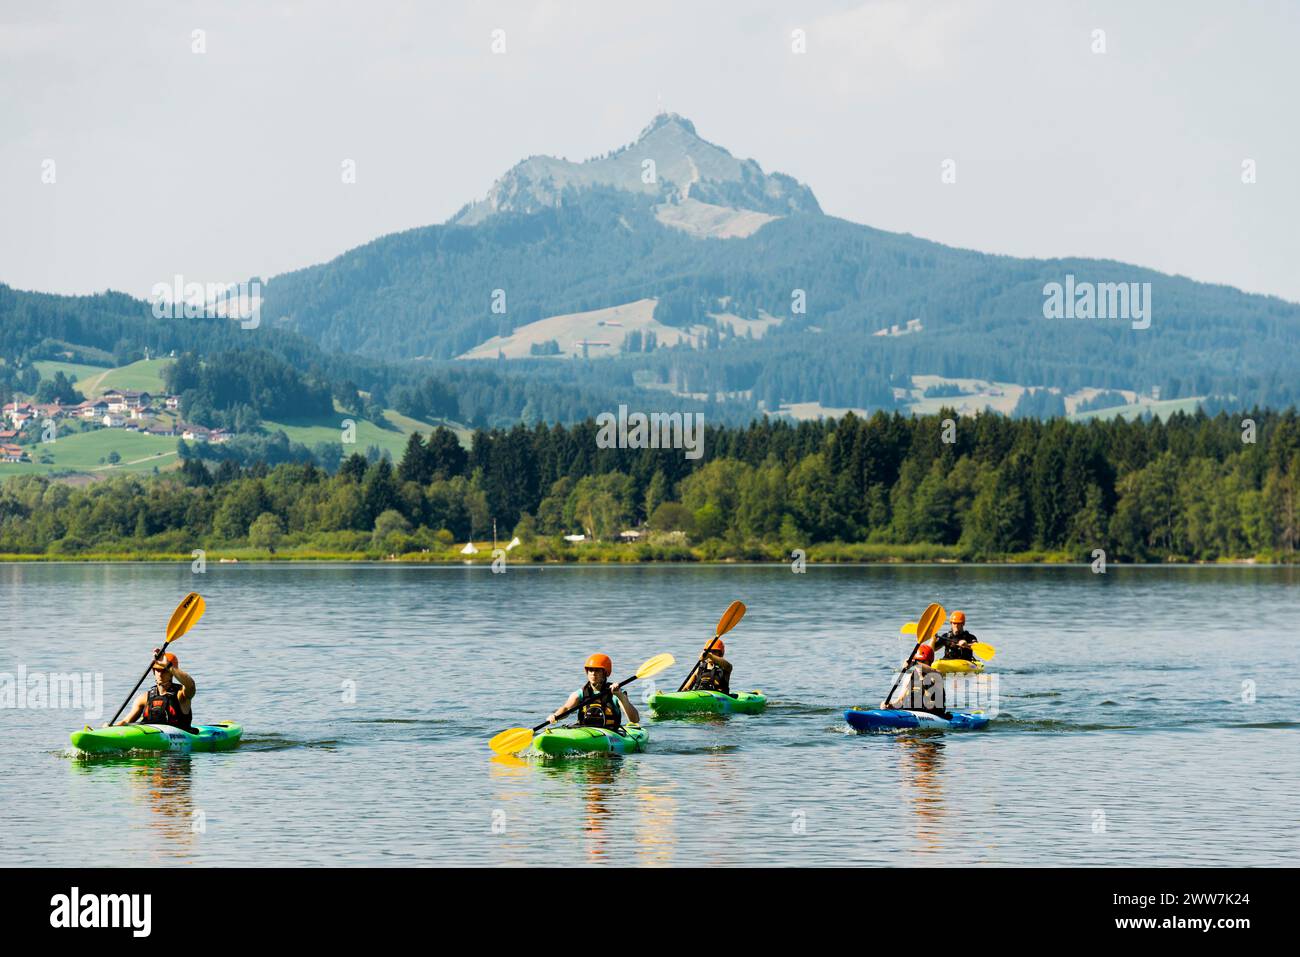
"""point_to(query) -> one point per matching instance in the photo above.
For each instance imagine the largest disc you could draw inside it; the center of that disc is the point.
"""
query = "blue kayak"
(880, 719)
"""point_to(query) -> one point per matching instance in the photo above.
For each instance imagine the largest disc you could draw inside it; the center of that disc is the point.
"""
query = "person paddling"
(921, 688)
(599, 701)
(713, 673)
(956, 643)
(169, 700)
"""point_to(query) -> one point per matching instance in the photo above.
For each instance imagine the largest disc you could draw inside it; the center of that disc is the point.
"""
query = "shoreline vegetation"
(889, 488)
(591, 553)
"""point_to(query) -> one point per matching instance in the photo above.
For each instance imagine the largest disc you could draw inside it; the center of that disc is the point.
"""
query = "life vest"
(919, 691)
(164, 707)
(598, 710)
(710, 677)
(948, 642)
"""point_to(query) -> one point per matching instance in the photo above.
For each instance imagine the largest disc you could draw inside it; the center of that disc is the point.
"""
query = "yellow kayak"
(953, 666)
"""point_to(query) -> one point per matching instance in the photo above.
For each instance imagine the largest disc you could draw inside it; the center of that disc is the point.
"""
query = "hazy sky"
(227, 164)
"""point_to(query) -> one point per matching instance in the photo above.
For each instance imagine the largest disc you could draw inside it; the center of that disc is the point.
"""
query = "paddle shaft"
(899, 679)
(158, 657)
(568, 711)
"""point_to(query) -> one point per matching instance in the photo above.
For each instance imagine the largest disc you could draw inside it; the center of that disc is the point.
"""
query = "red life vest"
(164, 707)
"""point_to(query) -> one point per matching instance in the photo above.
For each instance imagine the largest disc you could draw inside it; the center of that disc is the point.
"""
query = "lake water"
(1127, 731)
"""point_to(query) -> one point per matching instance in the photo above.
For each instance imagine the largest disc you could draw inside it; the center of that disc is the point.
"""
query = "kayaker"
(169, 700)
(714, 671)
(921, 688)
(600, 701)
(957, 641)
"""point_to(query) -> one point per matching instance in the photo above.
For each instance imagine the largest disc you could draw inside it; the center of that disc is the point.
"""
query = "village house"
(193, 433)
(93, 409)
(124, 400)
(13, 453)
(19, 413)
(172, 402)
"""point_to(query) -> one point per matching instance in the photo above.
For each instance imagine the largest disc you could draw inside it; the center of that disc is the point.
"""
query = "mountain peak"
(668, 119)
(668, 162)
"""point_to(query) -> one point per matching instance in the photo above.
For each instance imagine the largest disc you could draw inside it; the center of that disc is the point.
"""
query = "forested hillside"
(429, 292)
(276, 372)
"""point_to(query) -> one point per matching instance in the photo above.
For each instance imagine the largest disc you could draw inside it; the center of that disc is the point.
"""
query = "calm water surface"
(1125, 732)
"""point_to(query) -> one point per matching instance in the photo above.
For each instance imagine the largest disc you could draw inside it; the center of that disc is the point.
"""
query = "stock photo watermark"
(57, 691)
(655, 430)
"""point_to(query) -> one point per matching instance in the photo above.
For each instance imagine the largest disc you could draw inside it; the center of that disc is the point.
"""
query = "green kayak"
(707, 702)
(573, 738)
(221, 736)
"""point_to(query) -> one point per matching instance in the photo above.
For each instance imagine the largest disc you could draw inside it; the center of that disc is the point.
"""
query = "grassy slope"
(329, 429)
(93, 381)
(82, 452)
(140, 453)
(1161, 409)
(145, 375)
(77, 371)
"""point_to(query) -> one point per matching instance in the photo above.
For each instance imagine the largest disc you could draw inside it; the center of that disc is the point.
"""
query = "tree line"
(1192, 488)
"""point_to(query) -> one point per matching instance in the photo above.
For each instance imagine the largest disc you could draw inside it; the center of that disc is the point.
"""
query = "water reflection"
(615, 800)
(162, 784)
(923, 783)
(595, 778)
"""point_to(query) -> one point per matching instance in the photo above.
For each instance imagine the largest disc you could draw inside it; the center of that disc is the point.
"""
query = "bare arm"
(569, 703)
(633, 716)
(136, 710)
(188, 688)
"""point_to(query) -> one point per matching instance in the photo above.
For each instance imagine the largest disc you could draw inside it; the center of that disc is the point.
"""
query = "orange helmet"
(719, 647)
(168, 660)
(600, 661)
(925, 653)
(958, 618)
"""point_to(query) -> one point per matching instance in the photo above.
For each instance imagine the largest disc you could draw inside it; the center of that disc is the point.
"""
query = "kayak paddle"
(187, 613)
(980, 650)
(514, 740)
(729, 620)
(908, 629)
(926, 626)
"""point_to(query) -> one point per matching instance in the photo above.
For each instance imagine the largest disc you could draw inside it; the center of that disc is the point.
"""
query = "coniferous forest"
(1193, 488)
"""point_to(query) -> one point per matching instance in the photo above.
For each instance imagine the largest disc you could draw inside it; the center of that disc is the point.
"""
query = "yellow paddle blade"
(511, 741)
(929, 622)
(730, 619)
(981, 650)
(659, 662)
(186, 615)
(908, 629)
